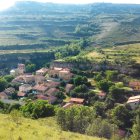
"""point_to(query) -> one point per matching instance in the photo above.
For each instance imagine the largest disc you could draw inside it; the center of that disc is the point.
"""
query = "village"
(47, 83)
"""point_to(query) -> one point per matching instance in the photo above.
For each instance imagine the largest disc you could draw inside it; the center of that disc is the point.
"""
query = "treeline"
(24, 47)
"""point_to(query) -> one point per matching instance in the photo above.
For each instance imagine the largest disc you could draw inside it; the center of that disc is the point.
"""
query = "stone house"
(40, 89)
(54, 72)
(25, 88)
(3, 95)
(42, 72)
(39, 79)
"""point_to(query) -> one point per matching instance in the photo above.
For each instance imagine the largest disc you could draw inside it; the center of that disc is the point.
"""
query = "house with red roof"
(135, 85)
(3, 95)
(50, 99)
(21, 94)
(54, 72)
(52, 91)
(134, 101)
(42, 72)
(52, 84)
(25, 88)
(73, 102)
(39, 79)
(40, 89)
(77, 100)
(63, 73)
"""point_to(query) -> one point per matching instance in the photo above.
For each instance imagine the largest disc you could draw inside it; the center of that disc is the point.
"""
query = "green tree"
(76, 118)
(60, 95)
(136, 129)
(121, 116)
(8, 78)
(80, 80)
(104, 85)
(58, 55)
(30, 67)
(3, 84)
(117, 94)
(98, 77)
(38, 109)
(100, 128)
(99, 108)
(111, 75)
(15, 106)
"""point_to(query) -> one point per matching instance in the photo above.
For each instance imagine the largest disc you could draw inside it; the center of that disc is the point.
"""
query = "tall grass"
(42, 129)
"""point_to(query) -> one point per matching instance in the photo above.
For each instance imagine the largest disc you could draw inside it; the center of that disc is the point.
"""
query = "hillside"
(48, 24)
(32, 30)
(36, 129)
(131, 51)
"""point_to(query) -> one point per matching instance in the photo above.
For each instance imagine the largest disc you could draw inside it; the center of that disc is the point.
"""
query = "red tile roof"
(135, 83)
(52, 84)
(3, 94)
(77, 100)
(51, 91)
(41, 87)
(42, 70)
(21, 94)
(42, 97)
(51, 99)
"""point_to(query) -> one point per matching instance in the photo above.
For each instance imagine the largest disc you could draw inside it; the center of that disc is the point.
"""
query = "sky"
(4, 4)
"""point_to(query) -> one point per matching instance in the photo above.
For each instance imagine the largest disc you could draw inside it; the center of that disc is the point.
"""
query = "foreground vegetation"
(35, 129)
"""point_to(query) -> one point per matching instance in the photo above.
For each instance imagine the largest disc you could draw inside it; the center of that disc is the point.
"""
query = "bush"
(75, 119)
(38, 109)
(100, 128)
(104, 85)
(14, 107)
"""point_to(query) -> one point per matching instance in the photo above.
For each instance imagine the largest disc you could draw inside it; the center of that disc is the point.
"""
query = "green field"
(42, 129)
(130, 51)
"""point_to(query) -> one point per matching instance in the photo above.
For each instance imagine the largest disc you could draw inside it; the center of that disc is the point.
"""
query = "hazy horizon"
(4, 4)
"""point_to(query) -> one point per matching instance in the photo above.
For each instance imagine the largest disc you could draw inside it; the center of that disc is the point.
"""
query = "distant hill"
(34, 23)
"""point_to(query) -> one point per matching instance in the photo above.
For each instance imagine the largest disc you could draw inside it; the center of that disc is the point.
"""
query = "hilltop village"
(55, 84)
(110, 95)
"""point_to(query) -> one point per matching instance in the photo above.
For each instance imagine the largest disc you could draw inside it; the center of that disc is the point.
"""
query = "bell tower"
(21, 68)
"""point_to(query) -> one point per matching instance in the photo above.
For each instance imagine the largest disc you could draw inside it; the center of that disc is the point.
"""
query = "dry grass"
(42, 129)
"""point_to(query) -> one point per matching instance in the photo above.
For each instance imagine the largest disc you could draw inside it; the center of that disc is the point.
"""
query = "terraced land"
(131, 51)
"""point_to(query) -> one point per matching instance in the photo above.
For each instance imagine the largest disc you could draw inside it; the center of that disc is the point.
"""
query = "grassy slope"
(131, 50)
(43, 129)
